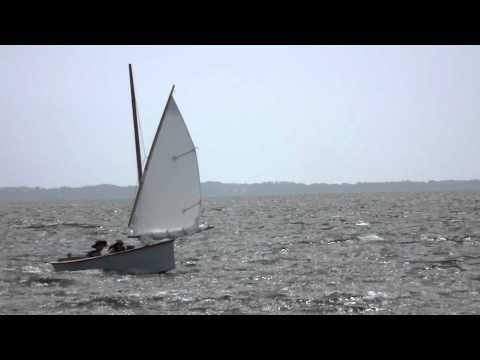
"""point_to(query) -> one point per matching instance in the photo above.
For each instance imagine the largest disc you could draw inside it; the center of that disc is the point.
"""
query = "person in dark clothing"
(116, 247)
(98, 246)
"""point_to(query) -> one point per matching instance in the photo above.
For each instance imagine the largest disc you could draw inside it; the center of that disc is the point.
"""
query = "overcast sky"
(256, 113)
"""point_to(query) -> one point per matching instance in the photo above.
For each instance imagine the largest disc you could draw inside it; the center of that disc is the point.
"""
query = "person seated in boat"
(116, 247)
(98, 246)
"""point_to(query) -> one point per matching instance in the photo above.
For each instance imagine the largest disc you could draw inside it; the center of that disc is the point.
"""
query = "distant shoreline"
(219, 189)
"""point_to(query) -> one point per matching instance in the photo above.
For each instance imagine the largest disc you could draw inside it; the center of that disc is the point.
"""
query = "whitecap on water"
(375, 295)
(32, 269)
(362, 223)
(371, 237)
(93, 272)
(425, 237)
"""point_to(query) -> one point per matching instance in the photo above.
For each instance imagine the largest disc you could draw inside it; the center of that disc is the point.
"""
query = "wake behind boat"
(167, 203)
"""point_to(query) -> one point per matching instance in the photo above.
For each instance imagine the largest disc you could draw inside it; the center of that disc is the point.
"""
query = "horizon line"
(252, 183)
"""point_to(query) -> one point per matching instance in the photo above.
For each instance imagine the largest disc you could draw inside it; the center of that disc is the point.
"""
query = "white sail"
(168, 199)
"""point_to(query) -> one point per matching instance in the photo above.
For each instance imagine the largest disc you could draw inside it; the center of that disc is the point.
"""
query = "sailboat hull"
(150, 259)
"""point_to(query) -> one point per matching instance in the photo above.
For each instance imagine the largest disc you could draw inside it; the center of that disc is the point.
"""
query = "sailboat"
(167, 204)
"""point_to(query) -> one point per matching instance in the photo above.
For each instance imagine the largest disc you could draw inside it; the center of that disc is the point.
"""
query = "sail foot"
(170, 233)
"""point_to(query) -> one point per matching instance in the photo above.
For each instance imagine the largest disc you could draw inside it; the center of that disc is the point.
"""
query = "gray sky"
(257, 113)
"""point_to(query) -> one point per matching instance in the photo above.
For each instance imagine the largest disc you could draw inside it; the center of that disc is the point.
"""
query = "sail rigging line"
(183, 154)
(142, 143)
(199, 202)
(140, 186)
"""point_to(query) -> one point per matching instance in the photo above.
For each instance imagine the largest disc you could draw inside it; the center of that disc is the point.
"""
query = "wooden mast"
(135, 125)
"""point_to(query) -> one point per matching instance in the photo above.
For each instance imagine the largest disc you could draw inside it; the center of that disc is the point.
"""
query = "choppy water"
(326, 254)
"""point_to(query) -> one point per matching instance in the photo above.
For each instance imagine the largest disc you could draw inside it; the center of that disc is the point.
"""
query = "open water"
(382, 253)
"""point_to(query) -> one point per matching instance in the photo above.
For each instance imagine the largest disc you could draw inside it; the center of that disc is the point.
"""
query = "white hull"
(148, 259)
